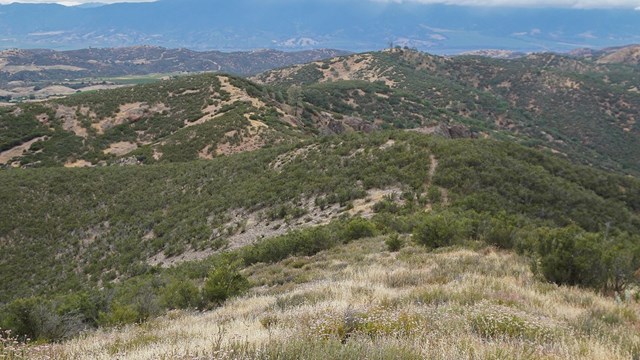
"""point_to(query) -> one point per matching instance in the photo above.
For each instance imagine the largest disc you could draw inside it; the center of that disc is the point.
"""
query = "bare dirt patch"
(68, 116)
(18, 151)
(129, 113)
(102, 87)
(205, 153)
(43, 118)
(120, 148)
(55, 90)
(248, 143)
(251, 139)
(364, 207)
(387, 145)
(157, 154)
(78, 164)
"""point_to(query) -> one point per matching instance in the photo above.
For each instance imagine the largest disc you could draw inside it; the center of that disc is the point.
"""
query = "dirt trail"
(444, 193)
(432, 169)
(17, 151)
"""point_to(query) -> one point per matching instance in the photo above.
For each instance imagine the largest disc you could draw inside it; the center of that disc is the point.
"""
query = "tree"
(294, 98)
(571, 256)
(621, 259)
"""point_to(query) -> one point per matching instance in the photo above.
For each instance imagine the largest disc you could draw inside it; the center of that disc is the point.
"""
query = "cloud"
(577, 4)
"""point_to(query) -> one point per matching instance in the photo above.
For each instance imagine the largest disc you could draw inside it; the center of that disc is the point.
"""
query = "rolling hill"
(450, 201)
(577, 107)
(581, 108)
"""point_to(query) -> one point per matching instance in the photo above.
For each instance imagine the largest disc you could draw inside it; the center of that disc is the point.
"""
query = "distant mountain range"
(286, 24)
(43, 73)
(15, 64)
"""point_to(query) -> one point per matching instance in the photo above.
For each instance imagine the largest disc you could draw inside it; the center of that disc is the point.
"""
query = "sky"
(71, 2)
(630, 4)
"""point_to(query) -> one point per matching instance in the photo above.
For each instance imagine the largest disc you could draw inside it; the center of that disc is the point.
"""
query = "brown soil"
(18, 151)
(70, 121)
(129, 113)
(364, 207)
(120, 148)
(78, 164)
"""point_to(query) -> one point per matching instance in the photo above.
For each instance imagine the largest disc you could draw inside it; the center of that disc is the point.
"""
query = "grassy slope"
(359, 300)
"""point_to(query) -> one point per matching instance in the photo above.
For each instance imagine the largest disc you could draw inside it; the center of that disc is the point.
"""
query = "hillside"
(114, 243)
(361, 301)
(149, 123)
(584, 110)
(576, 107)
(628, 55)
(393, 204)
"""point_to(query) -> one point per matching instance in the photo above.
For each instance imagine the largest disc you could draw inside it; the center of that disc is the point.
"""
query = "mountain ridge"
(313, 23)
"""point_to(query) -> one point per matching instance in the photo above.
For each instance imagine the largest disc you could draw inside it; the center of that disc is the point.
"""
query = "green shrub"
(434, 195)
(570, 256)
(573, 256)
(358, 228)
(394, 243)
(223, 282)
(120, 314)
(20, 317)
(499, 230)
(180, 294)
(437, 230)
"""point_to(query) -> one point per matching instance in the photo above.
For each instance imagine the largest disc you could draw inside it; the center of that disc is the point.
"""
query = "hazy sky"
(631, 4)
(71, 2)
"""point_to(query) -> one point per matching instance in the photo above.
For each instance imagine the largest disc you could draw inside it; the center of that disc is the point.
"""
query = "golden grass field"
(360, 301)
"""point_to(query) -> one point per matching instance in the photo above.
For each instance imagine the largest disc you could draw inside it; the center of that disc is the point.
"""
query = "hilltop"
(628, 55)
(582, 109)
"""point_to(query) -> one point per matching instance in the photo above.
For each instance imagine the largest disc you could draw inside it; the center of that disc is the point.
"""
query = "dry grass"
(360, 301)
